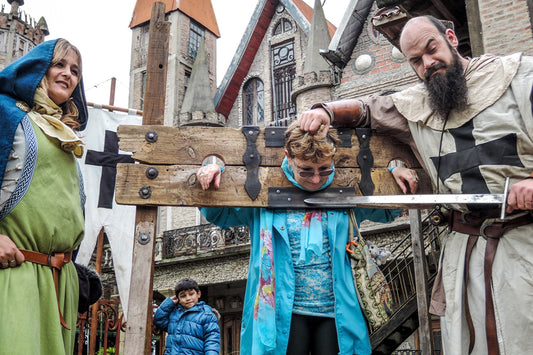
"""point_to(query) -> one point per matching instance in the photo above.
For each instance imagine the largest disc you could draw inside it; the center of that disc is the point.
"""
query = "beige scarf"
(47, 115)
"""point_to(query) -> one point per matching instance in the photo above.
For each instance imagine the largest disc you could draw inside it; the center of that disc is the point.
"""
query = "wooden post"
(475, 28)
(94, 307)
(112, 92)
(419, 262)
(139, 317)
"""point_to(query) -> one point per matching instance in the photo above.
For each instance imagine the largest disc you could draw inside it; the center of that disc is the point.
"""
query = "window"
(284, 71)
(3, 41)
(21, 47)
(144, 38)
(196, 32)
(282, 26)
(253, 102)
(143, 88)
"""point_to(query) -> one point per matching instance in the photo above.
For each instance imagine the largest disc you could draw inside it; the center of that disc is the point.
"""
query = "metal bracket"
(293, 197)
(275, 137)
(345, 135)
(251, 160)
(365, 161)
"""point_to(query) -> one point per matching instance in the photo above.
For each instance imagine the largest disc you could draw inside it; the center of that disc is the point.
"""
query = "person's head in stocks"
(310, 156)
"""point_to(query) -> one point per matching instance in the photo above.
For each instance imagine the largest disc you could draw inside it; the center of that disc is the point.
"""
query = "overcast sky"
(99, 28)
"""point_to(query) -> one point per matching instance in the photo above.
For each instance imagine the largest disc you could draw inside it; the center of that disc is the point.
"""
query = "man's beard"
(447, 91)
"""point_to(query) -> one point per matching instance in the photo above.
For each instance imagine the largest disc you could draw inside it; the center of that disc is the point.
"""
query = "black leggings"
(312, 335)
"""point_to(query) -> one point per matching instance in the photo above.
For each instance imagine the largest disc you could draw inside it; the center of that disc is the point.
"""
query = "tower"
(19, 32)
(190, 21)
(316, 80)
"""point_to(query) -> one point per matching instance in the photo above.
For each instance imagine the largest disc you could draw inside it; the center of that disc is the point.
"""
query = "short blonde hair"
(311, 147)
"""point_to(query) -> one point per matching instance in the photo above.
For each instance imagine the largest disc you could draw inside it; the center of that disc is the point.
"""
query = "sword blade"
(404, 201)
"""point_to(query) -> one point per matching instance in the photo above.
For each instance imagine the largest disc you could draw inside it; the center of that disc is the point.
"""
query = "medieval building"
(19, 32)
(289, 57)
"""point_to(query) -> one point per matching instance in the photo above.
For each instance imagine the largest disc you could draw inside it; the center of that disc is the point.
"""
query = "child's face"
(188, 298)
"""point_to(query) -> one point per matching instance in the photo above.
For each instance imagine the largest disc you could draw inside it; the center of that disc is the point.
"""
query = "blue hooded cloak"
(18, 82)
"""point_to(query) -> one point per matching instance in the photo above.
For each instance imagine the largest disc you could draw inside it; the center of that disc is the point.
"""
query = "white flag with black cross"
(98, 166)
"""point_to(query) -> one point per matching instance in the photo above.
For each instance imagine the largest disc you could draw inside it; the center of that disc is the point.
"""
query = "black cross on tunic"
(469, 157)
(108, 160)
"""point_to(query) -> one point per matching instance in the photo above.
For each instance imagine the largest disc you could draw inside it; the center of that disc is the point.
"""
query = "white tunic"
(482, 145)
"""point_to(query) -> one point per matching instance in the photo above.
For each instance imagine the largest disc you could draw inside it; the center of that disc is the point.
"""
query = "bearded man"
(470, 124)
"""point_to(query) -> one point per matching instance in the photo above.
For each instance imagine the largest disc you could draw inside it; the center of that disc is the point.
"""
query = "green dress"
(49, 218)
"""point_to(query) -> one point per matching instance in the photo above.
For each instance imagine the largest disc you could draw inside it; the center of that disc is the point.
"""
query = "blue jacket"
(190, 332)
(351, 327)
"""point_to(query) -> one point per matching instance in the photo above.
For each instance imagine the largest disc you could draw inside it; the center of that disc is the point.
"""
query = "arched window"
(253, 102)
(283, 73)
(282, 26)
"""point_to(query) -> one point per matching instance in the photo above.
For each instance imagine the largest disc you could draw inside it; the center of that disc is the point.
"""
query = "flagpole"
(115, 108)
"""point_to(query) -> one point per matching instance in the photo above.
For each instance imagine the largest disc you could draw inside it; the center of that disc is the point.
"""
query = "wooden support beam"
(139, 317)
(422, 293)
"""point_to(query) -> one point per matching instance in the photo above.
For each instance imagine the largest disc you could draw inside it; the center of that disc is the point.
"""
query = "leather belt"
(55, 261)
(486, 225)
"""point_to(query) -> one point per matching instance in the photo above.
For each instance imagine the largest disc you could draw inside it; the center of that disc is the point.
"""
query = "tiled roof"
(199, 10)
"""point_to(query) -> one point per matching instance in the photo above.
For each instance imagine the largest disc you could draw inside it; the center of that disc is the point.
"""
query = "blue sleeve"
(212, 335)
(162, 315)
(376, 215)
(228, 217)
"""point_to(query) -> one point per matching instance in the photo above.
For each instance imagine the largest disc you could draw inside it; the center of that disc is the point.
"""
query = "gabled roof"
(251, 40)
(199, 10)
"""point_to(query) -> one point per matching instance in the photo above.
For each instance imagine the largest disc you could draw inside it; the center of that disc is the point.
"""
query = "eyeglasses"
(308, 174)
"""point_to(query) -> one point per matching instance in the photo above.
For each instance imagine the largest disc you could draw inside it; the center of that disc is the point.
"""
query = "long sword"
(410, 201)
(404, 201)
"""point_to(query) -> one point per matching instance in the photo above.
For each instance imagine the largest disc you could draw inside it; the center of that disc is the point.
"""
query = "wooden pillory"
(169, 157)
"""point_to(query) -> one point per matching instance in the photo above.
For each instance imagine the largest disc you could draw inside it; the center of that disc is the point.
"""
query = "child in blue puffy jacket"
(191, 325)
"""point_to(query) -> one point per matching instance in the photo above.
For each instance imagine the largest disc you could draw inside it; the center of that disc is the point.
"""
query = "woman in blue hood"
(42, 104)
(300, 295)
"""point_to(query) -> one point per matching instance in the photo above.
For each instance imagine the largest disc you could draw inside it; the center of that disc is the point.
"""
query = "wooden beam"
(139, 317)
(475, 27)
(422, 293)
(439, 5)
(190, 145)
(176, 185)
(114, 108)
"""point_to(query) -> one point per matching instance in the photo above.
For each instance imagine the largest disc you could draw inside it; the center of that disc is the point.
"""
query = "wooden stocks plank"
(178, 153)
(190, 145)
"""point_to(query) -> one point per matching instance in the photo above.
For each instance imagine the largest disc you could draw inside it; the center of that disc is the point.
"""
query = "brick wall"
(376, 66)
(506, 26)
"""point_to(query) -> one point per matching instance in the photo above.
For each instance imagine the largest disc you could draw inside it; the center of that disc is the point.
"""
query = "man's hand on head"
(311, 121)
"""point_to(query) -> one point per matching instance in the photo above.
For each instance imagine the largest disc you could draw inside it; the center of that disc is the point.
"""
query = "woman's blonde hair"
(312, 147)
(69, 108)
